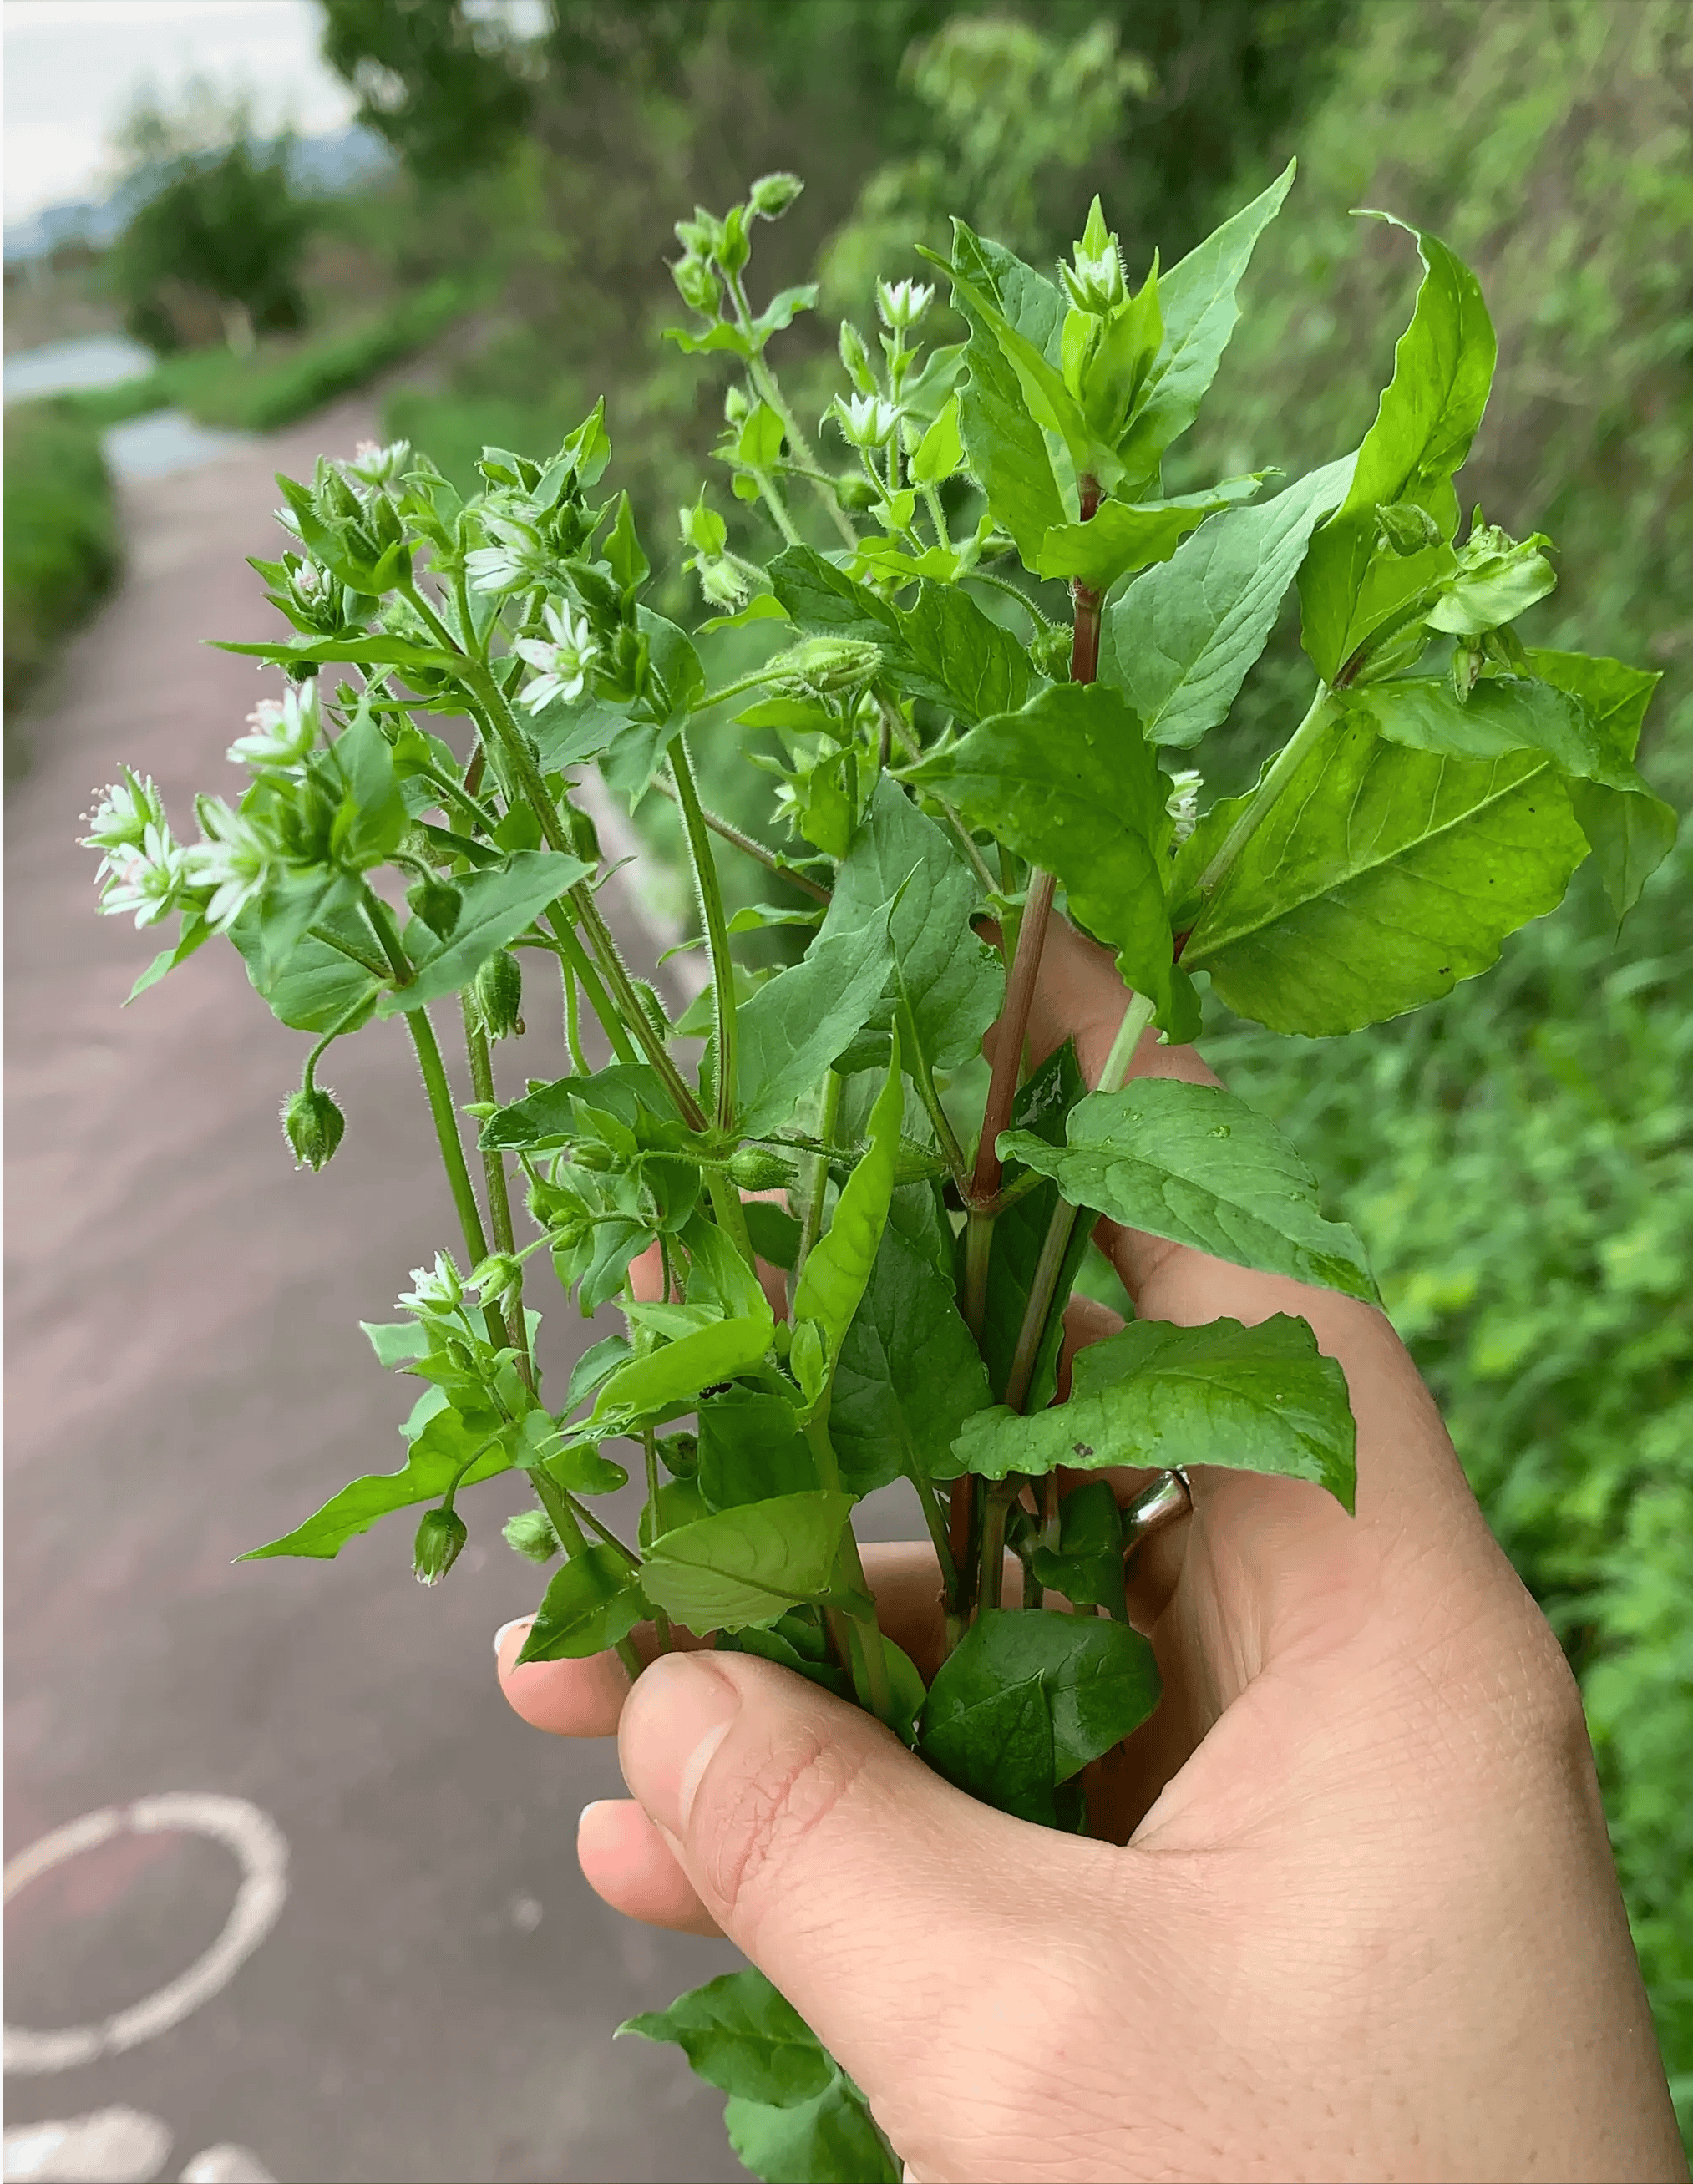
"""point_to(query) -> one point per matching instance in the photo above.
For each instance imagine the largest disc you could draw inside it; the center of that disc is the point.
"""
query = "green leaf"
(628, 1090)
(1086, 1566)
(1028, 1698)
(908, 1373)
(1197, 300)
(1179, 642)
(760, 444)
(378, 817)
(1380, 879)
(594, 1600)
(1123, 536)
(629, 565)
(666, 1377)
(380, 649)
(1040, 389)
(740, 2034)
(1007, 448)
(796, 1023)
(438, 1454)
(1259, 1398)
(1042, 1107)
(317, 986)
(399, 1342)
(774, 1232)
(940, 452)
(194, 934)
(838, 1266)
(498, 905)
(832, 2140)
(824, 600)
(952, 985)
(751, 1450)
(1071, 783)
(958, 657)
(1442, 369)
(1631, 833)
(1192, 1163)
(1502, 713)
(748, 1564)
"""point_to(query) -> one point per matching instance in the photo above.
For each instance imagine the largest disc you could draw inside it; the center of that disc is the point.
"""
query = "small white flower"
(434, 1291)
(150, 879)
(564, 660)
(1095, 284)
(865, 420)
(512, 561)
(284, 732)
(309, 580)
(379, 467)
(120, 820)
(1183, 803)
(234, 861)
(903, 303)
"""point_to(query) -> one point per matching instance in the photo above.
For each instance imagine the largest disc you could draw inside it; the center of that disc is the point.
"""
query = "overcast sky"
(75, 68)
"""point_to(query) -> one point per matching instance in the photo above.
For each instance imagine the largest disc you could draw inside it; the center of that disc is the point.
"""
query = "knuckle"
(765, 1817)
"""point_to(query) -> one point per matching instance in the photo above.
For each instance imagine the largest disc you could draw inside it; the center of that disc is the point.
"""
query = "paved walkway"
(435, 1998)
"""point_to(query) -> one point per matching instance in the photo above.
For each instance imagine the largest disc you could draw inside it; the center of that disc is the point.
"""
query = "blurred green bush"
(62, 550)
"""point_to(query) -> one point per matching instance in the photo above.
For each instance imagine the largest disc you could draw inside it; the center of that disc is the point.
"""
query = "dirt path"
(435, 1999)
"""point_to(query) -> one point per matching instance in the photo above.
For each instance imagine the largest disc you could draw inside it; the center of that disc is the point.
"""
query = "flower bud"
(492, 1277)
(826, 665)
(756, 1168)
(584, 835)
(437, 904)
(436, 1549)
(696, 286)
(737, 409)
(530, 1533)
(1183, 802)
(771, 195)
(591, 1154)
(702, 527)
(1051, 652)
(498, 990)
(1404, 529)
(855, 357)
(314, 1126)
(560, 1212)
(647, 995)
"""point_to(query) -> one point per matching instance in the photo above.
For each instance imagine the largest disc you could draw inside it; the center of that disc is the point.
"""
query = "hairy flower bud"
(771, 195)
(314, 1126)
(436, 1549)
(498, 991)
(560, 1212)
(1051, 652)
(530, 1533)
(437, 903)
(824, 666)
(737, 409)
(492, 1277)
(756, 1168)
(855, 357)
(1405, 529)
(696, 286)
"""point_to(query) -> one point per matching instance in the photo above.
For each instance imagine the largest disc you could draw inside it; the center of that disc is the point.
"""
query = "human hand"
(1364, 1923)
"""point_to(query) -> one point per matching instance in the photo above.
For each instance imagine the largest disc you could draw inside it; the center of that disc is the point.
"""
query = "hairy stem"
(446, 1121)
(746, 842)
(710, 894)
(650, 1450)
(880, 1691)
(494, 1183)
(812, 1226)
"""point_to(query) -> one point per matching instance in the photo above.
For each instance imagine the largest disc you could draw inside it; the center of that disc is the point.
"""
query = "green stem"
(567, 979)
(374, 964)
(812, 1226)
(1012, 591)
(768, 858)
(894, 723)
(309, 1075)
(494, 1183)
(1136, 1017)
(991, 1589)
(628, 1006)
(1282, 769)
(561, 1511)
(731, 1215)
(764, 382)
(650, 1449)
(710, 894)
(446, 1121)
(575, 958)
(770, 495)
(388, 935)
(880, 1691)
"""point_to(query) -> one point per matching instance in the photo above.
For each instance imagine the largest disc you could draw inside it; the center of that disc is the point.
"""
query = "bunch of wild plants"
(951, 753)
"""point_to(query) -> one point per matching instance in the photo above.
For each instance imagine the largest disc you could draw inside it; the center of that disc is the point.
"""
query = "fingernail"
(678, 1713)
(517, 1623)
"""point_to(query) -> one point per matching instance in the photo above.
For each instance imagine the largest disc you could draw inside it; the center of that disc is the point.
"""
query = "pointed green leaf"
(740, 2034)
(1042, 1107)
(1025, 1683)
(438, 1454)
(838, 1266)
(751, 1450)
(1442, 370)
(1179, 642)
(1123, 536)
(594, 1600)
(1631, 831)
(1071, 783)
(1259, 1398)
(952, 653)
(1502, 713)
(1192, 1163)
(796, 1023)
(1380, 878)
(648, 1386)
(909, 1374)
(748, 1564)
(628, 1090)
(824, 601)
(1007, 448)
(1086, 1566)
(317, 987)
(940, 451)
(952, 984)
(1197, 299)
(498, 905)
(832, 2140)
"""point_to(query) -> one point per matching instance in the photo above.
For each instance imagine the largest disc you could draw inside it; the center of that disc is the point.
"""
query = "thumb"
(886, 1905)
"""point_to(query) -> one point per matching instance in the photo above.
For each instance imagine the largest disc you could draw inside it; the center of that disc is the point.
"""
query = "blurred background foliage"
(1518, 1158)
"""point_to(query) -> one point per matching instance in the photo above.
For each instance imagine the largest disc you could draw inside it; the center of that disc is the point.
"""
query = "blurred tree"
(219, 236)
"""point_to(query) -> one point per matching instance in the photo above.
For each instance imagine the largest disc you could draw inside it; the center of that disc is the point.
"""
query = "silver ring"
(1156, 1508)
